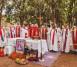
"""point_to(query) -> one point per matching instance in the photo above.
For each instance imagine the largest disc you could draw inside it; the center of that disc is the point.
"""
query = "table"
(40, 45)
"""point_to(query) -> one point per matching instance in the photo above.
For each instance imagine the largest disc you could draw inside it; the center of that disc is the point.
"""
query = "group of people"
(58, 38)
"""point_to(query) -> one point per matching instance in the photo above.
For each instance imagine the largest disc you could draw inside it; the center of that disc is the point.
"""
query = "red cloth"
(74, 37)
(53, 37)
(43, 33)
(0, 32)
(30, 31)
(1, 53)
(15, 55)
(17, 31)
(27, 32)
(34, 31)
(11, 35)
(66, 33)
(12, 32)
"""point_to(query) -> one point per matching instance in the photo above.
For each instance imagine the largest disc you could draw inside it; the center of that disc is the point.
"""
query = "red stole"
(74, 37)
(27, 32)
(30, 30)
(44, 33)
(66, 33)
(11, 35)
(34, 31)
(17, 31)
(0, 32)
(52, 36)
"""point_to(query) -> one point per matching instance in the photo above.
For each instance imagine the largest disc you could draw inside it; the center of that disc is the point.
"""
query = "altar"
(35, 44)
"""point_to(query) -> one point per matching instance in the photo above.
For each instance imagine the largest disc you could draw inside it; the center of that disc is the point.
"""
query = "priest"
(12, 30)
(22, 31)
(18, 30)
(54, 39)
(49, 37)
(43, 32)
(43, 47)
(67, 39)
(26, 31)
(59, 34)
(74, 37)
(34, 31)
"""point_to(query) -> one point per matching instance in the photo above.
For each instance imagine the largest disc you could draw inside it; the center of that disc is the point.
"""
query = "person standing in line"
(18, 30)
(12, 31)
(22, 31)
(59, 34)
(74, 37)
(49, 28)
(67, 39)
(54, 39)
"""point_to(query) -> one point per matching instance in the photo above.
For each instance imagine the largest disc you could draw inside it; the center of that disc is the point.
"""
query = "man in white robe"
(12, 31)
(22, 31)
(49, 38)
(17, 30)
(59, 34)
(43, 40)
(54, 40)
(67, 40)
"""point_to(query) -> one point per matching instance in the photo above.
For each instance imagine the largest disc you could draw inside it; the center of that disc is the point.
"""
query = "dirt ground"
(6, 62)
(65, 60)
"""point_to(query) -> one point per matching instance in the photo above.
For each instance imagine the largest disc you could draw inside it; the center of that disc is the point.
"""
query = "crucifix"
(40, 19)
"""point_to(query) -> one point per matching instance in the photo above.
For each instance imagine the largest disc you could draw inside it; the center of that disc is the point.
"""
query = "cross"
(40, 18)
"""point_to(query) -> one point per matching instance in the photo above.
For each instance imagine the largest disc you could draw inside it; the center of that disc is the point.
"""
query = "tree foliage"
(58, 11)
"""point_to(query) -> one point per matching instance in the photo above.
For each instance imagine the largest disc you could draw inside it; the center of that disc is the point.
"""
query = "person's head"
(23, 25)
(36, 24)
(74, 27)
(67, 26)
(53, 26)
(63, 26)
(48, 25)
(42, 25)
(18, 23)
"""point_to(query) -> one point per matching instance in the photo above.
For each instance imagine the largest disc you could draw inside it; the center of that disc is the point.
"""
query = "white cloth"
(54, 46)
(59, 35)
(42, 47)
(8, 50)
(22, 33)
(49, 39)
(3, 39)
(32, 44)
(63, 38)
(69, 42)
(12, 29)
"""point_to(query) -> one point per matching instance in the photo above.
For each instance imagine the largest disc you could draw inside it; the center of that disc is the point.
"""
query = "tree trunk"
(70, 20)
(0, 18)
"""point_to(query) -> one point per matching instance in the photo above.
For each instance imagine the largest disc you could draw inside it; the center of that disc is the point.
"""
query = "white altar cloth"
(40, 45)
